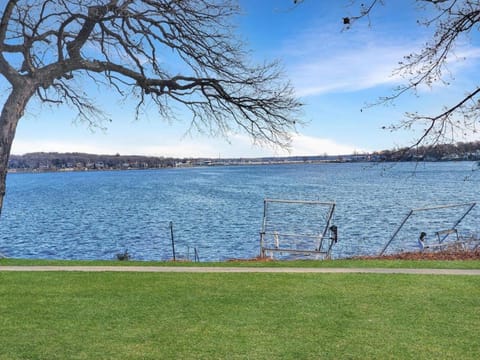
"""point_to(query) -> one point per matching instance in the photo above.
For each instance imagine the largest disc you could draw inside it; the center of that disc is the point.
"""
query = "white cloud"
(323, 59)
(21, 146)
(466, 56)
(340, 62)
(349, 70)
(309, 145)
(238, 146)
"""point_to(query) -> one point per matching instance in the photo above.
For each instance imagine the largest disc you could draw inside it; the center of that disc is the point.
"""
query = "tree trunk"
(12, 112)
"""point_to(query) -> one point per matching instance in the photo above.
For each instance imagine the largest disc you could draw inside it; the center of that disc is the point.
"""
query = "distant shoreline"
(66, 162)
(54, 161)
(45, 164)
(178, 165)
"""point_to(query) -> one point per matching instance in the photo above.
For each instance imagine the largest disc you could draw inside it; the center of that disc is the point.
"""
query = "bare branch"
(365, 10)
(453, 20)
(121, 44)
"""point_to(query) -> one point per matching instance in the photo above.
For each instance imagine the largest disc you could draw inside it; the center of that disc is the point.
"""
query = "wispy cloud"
(322, 58)
(344, 63)
(324, 61)
(464, 57)
(354, 70)
(24, 146)
(310, 145)
(241, 144)
(238, 146)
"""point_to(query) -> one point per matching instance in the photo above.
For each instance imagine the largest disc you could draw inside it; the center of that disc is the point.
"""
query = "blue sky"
(335, 73)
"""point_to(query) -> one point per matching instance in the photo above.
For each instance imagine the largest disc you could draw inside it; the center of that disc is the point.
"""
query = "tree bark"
(13, 110)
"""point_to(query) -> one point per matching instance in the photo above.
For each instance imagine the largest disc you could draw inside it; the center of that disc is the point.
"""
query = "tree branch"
(124, 45)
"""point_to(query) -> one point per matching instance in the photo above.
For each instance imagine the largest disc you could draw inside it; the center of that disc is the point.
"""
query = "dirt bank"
(430, 255)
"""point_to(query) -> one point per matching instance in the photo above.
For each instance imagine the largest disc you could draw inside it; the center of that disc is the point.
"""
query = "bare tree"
(453, 21)
(45, 45)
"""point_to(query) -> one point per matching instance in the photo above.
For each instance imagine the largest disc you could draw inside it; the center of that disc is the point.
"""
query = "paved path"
(199, 269)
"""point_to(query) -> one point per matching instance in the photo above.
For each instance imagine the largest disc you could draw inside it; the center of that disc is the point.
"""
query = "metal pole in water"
(396, 232)
(264, 226)
(173, 241)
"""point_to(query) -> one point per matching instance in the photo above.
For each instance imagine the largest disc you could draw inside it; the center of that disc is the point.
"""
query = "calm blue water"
(218, 210)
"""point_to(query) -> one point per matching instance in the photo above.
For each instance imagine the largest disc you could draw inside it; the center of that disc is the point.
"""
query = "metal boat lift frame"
(442, 234)
(316, 251)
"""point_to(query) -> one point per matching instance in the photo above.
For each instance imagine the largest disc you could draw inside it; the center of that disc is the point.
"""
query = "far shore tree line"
(41, 161)
(437, 152)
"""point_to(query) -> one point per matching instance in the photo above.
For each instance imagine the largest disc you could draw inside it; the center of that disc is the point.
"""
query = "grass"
(59, 315)
(350, 263)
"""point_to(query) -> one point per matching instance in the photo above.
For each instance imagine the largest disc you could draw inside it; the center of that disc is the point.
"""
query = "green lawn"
(348, 263)
(238, 316)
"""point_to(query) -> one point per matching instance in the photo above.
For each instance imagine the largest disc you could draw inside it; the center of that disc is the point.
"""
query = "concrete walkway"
(199, 269)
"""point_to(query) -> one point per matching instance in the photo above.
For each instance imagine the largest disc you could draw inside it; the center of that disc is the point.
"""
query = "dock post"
(173, 240)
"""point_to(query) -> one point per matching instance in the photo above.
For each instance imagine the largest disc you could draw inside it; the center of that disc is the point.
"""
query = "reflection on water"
(94, 215)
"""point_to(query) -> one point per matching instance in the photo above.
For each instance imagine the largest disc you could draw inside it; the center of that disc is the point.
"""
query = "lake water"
(218, 210)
